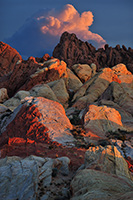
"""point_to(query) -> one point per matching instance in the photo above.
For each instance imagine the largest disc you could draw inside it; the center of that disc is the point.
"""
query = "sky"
(34, 27)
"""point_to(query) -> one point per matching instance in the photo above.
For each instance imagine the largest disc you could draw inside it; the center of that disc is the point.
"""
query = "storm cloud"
(42, 31)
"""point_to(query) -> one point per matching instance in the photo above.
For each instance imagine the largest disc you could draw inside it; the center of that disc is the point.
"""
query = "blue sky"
(112, 18)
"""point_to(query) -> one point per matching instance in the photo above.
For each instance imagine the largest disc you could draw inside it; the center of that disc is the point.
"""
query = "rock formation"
(3, 95)
(93, 184)
(28, 178)
(66, 130)
(18, 74)
(106, 176)
(93, 88)
(37, 120)
(74, 51)
(100, 120)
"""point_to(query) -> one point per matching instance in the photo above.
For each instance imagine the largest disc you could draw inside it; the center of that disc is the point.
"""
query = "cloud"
(70, 20)
(41, 32)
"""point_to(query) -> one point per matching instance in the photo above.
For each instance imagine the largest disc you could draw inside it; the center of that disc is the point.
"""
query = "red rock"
(39, 120)
(8, 59)
(16, 74)
(130, 165)
(74, 51)
(44, 58)
(51, 71)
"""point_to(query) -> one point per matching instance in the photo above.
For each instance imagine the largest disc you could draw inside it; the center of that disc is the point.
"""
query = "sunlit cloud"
(41, 32)
(70, 20)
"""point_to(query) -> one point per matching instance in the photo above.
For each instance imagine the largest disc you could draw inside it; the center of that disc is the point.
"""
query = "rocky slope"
(65, 130)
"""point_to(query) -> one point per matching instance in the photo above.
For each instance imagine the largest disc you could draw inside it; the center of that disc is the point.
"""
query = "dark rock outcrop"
(8, 59)
(74, 51)
(16, 74)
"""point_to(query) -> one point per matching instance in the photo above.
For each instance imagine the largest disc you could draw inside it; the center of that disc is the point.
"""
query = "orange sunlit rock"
(99, 120)
(17, 74)
(94, 88)
(38, 120)
(16, 141)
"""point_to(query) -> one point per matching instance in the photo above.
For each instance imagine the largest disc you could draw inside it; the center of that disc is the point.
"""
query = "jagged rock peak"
(74, 51)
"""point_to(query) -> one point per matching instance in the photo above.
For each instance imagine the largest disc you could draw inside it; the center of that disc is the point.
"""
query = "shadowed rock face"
(30, 178)
(8, 59)
(74, 51)
(16, 74)
(92, 184)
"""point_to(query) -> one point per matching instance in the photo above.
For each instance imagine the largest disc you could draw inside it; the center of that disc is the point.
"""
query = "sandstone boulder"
(107, 159)
(43, 90)
(120, 69)
(115, 92)
(126, 117)
(48, 71)
(3, 95)
(73, 82)
(27, 178)
(93, 88)
(83, 71)
(12, 103)
(39, 120)
(100, 120)
(126, 78)
(60, 90)
(92, 184)
(21, 94)
(15, 101)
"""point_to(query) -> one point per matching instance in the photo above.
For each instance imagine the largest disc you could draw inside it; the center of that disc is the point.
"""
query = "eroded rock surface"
(38, 120)
(9, 57)
(106, 176)
(93, 88)
(92, 184)
(33, 122)
(100, 120)
(83, 71)
(30, 178)
(74, 51)
(3, 95)
(107, 159)
(17, 74)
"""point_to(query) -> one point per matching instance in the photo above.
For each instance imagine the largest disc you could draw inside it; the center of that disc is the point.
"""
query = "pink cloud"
(70, 20)
(41, 32)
